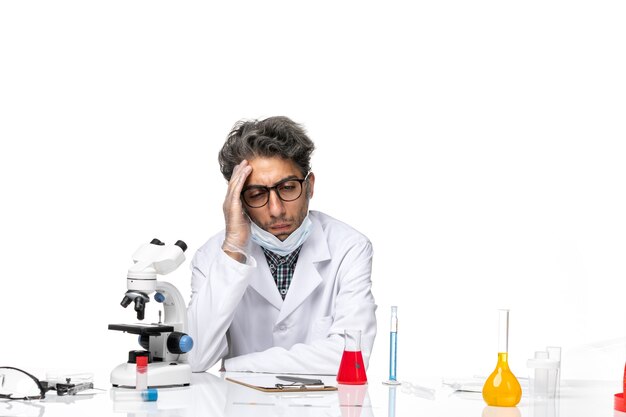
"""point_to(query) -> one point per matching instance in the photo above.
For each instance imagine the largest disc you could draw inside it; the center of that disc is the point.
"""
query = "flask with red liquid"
(352, 368)
(618, 403)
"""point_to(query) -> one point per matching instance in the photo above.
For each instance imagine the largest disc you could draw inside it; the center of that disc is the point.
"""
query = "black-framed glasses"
(16, 384)
(256, 196)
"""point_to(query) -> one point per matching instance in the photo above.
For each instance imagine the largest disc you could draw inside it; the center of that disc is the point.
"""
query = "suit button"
(282, 327)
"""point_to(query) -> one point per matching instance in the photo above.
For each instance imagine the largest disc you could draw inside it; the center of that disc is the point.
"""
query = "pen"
(304, 381)
(300, 387)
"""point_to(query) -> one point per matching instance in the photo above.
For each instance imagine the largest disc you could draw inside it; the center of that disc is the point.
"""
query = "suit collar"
(262, 281)
(316, 244)
(306, 277)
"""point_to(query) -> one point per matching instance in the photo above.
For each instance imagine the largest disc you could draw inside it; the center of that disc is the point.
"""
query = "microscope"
(165, 344)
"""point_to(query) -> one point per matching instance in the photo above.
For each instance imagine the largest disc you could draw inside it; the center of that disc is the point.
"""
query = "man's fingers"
(233, 178)
(240, 173)
(240, 180)
(236, 183)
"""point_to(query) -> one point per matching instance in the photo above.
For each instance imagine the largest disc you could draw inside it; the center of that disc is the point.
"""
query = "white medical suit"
(237, 314)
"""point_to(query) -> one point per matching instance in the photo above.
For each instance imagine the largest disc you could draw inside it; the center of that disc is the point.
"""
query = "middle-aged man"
(275, 291)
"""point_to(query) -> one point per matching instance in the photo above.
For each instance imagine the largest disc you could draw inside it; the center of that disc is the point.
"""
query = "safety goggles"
(16, 384)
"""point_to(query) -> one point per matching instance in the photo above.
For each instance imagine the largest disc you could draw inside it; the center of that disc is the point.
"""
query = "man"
(276, 289)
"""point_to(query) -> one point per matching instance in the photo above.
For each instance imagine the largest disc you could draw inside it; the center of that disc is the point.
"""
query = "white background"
(478, 144)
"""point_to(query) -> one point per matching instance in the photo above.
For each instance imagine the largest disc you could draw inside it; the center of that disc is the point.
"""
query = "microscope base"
(160, 375)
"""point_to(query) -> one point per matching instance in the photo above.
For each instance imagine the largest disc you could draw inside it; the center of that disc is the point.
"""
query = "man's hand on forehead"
(237, 232)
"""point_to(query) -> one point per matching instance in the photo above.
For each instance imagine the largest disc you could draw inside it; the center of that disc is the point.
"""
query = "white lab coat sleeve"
(218, 283)
(354, 309)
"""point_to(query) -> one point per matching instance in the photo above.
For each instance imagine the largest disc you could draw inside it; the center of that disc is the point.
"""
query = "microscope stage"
(142, 329)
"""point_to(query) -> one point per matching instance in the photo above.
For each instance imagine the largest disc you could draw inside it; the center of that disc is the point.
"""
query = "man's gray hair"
(272, 137)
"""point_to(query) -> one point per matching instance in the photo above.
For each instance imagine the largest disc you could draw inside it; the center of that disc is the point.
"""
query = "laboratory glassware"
(393, 348)
(142, 373)
(619, 403)
(543, 378)
(502, 388)
(352, 367)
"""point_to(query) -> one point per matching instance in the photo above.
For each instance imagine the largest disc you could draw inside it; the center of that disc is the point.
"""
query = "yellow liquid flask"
(502, 389)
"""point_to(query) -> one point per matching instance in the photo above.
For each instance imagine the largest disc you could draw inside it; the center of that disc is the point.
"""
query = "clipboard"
(273, 384)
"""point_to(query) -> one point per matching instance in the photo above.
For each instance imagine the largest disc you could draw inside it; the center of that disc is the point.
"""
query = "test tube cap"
(150, 394)
(142, 360)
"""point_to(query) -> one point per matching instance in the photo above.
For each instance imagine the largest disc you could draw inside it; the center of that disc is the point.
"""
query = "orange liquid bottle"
(352, 368)
(502, 389)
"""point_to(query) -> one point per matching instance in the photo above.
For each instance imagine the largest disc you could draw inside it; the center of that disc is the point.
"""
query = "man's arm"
(217, 286)
(219, 279)
(354, 309)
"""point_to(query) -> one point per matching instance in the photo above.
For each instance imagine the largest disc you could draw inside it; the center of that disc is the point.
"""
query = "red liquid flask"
(352, 369)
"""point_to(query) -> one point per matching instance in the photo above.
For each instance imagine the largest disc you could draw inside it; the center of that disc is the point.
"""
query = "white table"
(211, 395)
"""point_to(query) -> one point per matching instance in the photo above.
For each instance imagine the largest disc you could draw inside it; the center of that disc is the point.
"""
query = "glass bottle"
(502, 388)
(352, 369)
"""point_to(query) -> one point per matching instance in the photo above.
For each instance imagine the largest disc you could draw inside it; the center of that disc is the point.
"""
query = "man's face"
(278, 217)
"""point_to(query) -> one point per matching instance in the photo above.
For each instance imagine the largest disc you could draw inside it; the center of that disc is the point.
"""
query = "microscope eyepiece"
(181, 245)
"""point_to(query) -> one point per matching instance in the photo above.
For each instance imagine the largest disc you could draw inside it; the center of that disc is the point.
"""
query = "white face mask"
(285, 247)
